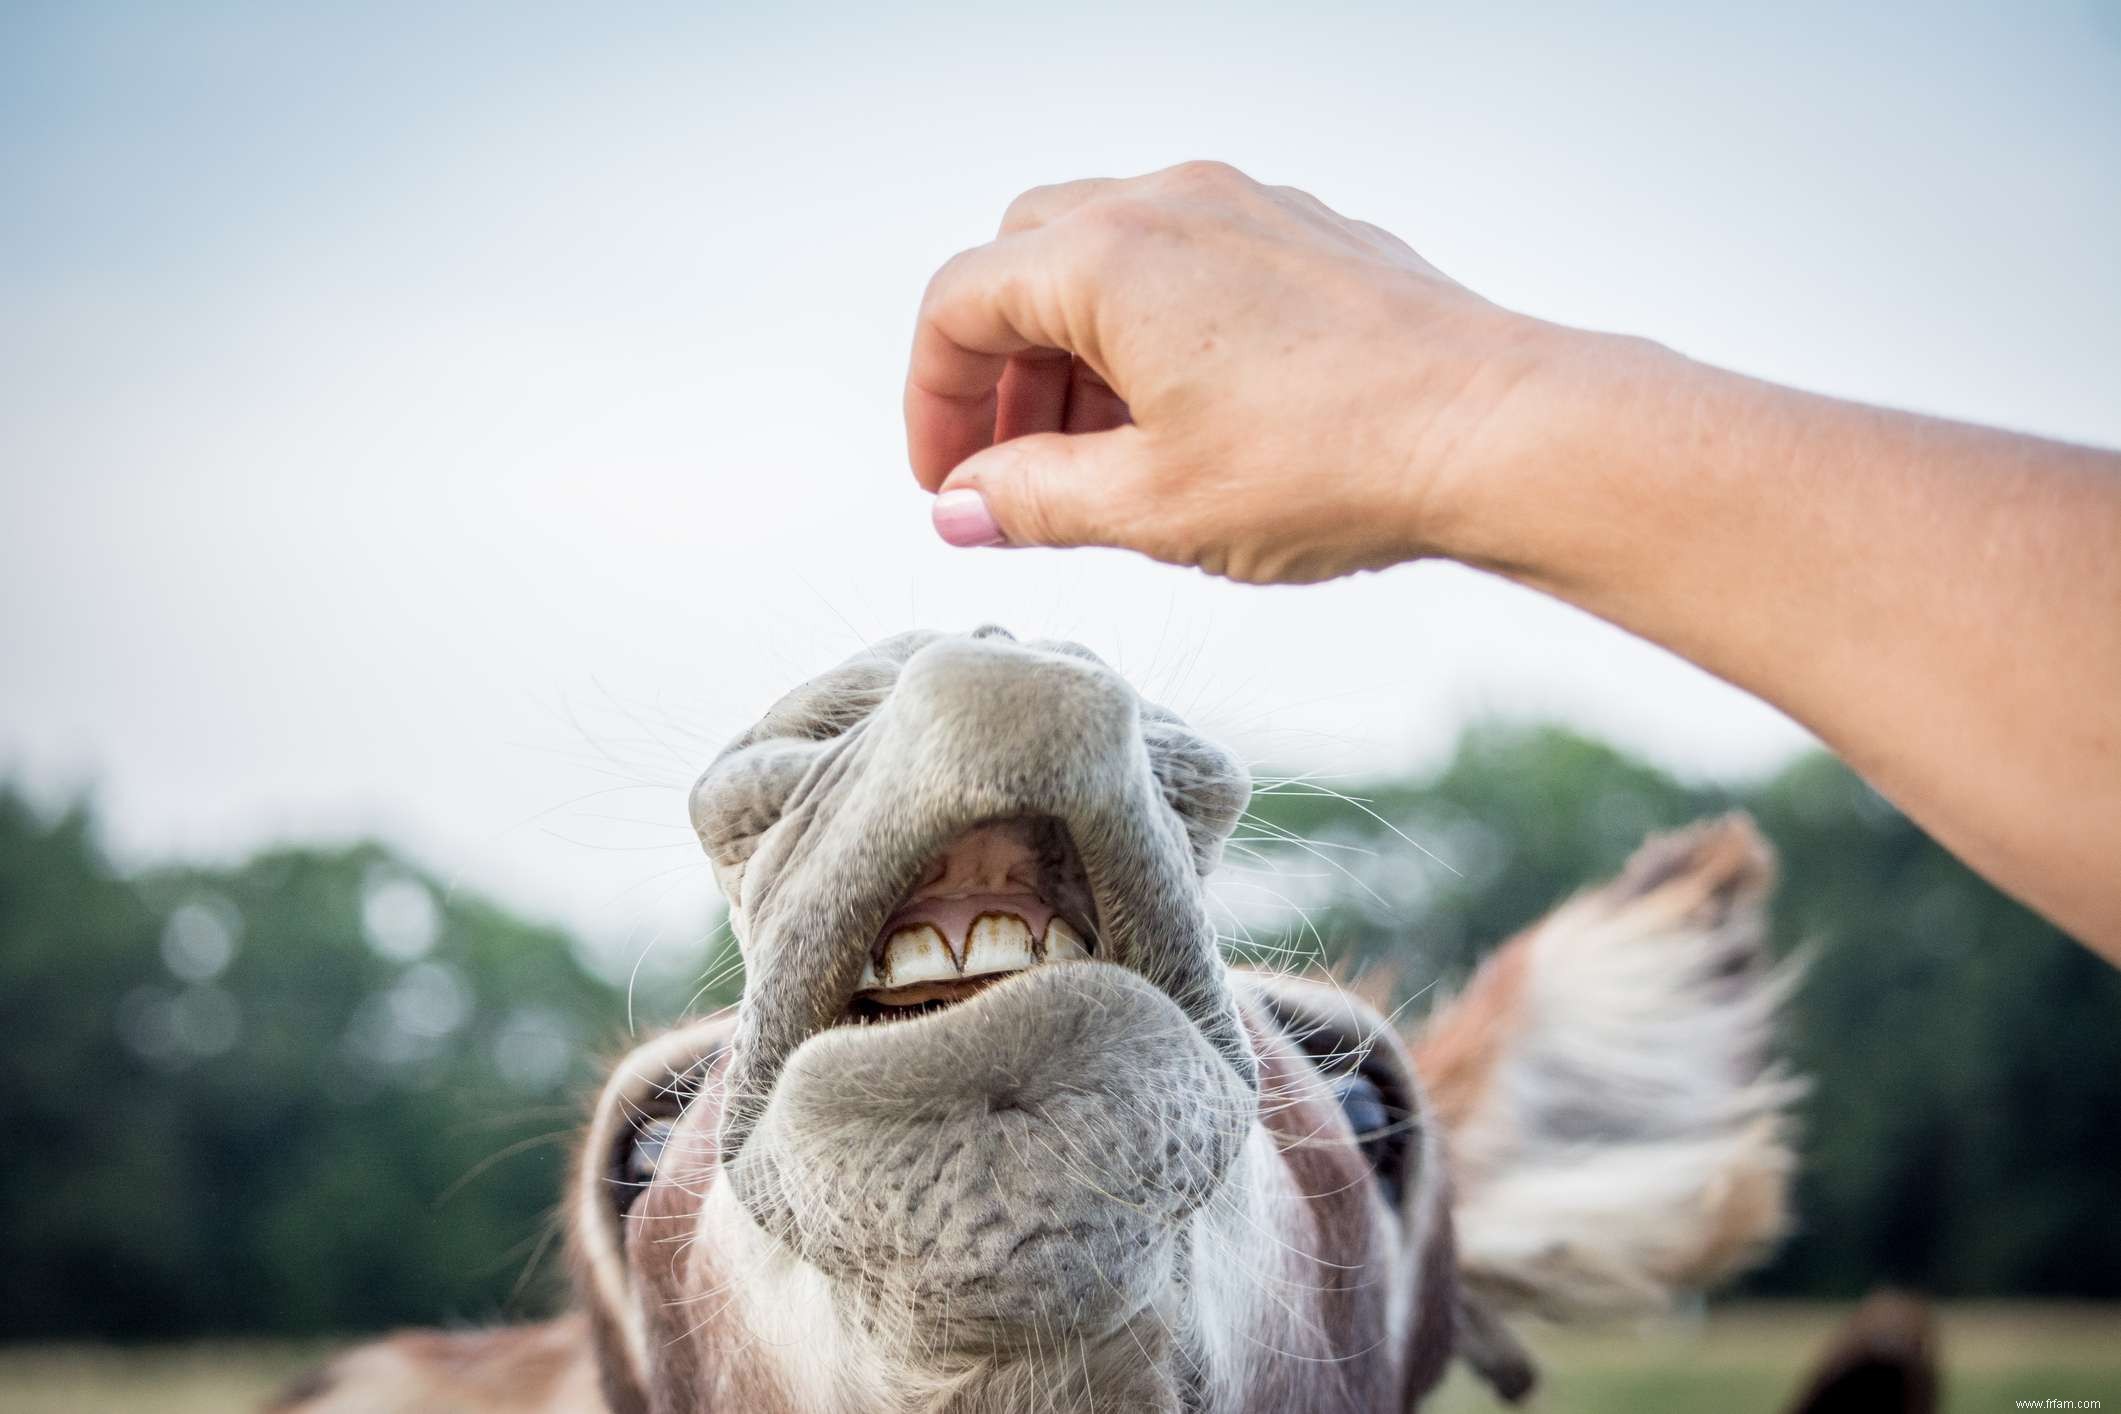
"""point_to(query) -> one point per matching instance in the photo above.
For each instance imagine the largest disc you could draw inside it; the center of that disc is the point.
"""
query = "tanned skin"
(1232, 376)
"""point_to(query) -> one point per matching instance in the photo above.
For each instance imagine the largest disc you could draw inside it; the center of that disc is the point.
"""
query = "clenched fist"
(1207, 370)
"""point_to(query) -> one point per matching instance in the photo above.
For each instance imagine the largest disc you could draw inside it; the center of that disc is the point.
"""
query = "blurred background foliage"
(321, 1092)
(314, 1092)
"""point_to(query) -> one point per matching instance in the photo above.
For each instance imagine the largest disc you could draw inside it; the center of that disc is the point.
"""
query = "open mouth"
(1002, 898)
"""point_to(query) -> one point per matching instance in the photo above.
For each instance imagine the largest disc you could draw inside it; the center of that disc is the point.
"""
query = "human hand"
(1207, 370)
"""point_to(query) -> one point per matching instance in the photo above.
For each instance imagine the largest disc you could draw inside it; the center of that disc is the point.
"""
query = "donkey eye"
(1361, 1102)
(637, 1161)
(647, 1151)
(1377, 1129)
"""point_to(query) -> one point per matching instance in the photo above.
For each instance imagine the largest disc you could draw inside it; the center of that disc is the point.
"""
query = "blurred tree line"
(318, 1092)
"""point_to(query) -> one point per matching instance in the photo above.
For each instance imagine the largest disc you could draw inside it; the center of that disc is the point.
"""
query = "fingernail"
(962, 518)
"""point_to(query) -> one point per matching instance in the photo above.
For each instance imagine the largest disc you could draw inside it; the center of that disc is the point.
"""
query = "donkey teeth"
(916, 954)
(999, 942)
(1063, 943)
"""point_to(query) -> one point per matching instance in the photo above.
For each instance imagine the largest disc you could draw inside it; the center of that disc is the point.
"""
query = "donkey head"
(994, 1127)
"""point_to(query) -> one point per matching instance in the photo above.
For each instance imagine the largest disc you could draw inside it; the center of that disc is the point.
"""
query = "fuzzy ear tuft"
(1617, 1120)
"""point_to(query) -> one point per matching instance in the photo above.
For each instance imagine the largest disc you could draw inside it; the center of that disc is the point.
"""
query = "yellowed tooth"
(1000, 942)
(915, 954)
(1063, 942)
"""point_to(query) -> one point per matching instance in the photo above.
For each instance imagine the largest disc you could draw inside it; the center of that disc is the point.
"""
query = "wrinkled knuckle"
(1116, 210)
(946, 278)
(1105, 224)
(1206, 174)
(1021, 210)
(1104, 227)
(1300, 200)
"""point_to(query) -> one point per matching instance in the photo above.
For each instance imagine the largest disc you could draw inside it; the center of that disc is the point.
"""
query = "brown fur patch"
(1456, 1054)
(1882, 1361)
(1704, 871)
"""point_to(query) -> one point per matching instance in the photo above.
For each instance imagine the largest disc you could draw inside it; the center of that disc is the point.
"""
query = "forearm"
(1940, 603)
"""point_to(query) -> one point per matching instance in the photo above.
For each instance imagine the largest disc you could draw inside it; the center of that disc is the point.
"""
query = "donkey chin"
(995, 1128)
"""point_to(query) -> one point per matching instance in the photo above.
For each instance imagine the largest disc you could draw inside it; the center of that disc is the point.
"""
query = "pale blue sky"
(383, 394)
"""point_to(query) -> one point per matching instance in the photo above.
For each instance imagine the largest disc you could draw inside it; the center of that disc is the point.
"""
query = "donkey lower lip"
(959, 1139)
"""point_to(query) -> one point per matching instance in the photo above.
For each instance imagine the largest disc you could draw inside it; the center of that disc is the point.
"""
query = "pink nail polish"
(961, 517)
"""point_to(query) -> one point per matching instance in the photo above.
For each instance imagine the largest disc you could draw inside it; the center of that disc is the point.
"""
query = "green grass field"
(1750, 1359)
(1742, 1360)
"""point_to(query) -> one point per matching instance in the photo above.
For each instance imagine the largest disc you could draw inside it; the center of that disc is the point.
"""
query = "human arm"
(1232, 376)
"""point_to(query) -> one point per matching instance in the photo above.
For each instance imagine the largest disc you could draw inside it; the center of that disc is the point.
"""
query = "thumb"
(1048, 488)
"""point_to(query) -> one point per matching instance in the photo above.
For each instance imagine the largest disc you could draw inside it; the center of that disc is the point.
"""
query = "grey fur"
(817, 819)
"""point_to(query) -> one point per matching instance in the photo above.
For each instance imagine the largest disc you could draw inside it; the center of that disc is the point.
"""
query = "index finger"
(980, 308)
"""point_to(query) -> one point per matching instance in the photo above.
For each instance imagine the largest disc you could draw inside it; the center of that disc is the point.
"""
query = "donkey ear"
(647, 1092)
(1616, 1120)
